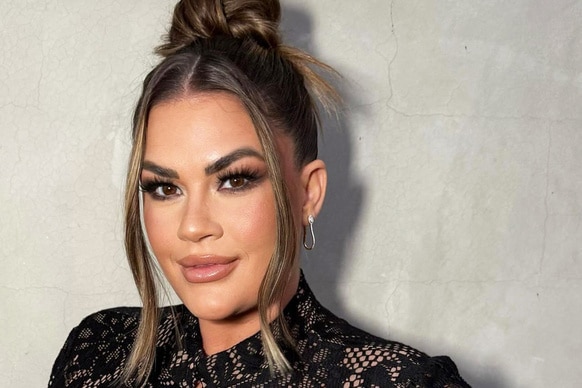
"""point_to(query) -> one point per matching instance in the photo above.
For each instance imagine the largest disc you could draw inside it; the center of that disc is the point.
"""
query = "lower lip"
(207, 272)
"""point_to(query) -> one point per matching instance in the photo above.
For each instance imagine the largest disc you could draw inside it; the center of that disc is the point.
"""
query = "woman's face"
(209, 207)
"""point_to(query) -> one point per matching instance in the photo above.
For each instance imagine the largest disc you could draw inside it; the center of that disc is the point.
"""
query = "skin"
(197, 208)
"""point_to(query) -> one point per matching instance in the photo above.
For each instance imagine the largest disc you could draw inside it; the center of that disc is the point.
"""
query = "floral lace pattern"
(328, 352)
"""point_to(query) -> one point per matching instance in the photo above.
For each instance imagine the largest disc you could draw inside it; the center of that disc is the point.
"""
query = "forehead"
(202, 125)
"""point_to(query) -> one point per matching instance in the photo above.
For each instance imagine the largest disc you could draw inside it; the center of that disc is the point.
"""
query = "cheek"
(161, 227)
(252, 222)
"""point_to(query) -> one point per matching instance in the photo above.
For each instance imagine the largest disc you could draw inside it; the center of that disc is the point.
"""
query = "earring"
(310, 220)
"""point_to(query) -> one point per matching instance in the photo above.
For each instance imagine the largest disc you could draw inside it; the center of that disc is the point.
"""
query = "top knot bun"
(203, 19)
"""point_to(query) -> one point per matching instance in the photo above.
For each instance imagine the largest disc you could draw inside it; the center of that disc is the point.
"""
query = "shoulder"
(363, 359)
(114, 327)
(335, 353)
(111, 320)
(95, 350)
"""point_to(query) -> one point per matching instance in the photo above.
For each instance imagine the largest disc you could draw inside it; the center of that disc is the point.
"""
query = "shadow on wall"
(344, 199)
(344, 202)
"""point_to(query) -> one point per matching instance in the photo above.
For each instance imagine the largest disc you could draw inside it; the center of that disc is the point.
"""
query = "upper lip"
(195, 260)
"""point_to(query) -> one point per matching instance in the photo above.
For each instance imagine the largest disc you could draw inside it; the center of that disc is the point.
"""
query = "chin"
(219, 310)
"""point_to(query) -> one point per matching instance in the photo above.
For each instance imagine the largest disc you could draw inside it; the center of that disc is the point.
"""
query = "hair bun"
(204, 19)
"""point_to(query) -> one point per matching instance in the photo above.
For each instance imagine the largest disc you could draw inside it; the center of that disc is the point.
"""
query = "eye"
(160, 190)
(234, 183)
(166, 190)
(239, 180)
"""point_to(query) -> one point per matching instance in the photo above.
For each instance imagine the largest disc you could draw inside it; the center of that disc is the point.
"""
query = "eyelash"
(150, 187)
(251, 177)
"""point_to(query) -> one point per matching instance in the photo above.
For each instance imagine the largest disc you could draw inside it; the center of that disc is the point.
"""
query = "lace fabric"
(328, 353)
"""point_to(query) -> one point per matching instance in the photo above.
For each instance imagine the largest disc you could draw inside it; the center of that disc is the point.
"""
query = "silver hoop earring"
(310, 220)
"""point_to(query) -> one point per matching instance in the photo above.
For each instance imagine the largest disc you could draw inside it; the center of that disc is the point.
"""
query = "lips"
(206, 268)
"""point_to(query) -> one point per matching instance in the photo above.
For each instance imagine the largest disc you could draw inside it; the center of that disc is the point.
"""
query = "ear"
(314, 183)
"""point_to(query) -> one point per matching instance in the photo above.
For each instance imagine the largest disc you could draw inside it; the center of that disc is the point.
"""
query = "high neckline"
(248, 352)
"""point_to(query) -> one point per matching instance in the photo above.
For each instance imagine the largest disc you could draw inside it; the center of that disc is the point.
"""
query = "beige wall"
(454, 217)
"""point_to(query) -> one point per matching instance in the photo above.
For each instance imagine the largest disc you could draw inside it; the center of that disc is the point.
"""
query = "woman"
(223, 187)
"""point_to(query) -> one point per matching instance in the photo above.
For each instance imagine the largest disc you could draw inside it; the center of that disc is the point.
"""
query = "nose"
(198, 221)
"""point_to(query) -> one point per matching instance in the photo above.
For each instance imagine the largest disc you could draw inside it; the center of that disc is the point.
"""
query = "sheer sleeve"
(437, 372)
(57, 378)
(96, 350)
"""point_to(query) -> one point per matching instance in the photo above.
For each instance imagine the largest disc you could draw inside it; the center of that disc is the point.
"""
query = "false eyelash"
(150, 185)
(251, 175)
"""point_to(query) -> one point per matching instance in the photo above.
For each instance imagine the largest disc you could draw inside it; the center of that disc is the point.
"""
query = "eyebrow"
(229, 159)
(159, 170)
(213, 168)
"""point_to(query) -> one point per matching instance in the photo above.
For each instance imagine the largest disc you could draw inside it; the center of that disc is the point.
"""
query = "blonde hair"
(230, 46)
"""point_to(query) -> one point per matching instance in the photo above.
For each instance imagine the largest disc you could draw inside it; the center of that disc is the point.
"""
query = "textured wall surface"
(454, 216)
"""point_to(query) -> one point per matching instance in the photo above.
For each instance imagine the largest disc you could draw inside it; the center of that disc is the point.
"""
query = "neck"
(221, 335)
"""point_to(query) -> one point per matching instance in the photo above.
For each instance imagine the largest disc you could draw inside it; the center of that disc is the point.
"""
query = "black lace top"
(328, 352)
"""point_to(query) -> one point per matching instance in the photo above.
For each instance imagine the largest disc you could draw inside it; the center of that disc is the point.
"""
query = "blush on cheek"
(159, 231)
(257, 219)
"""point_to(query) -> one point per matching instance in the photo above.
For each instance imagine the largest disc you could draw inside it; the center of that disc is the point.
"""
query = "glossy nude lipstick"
(206, 268)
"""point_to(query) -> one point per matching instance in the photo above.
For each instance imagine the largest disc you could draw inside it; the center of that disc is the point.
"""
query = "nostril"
(198, 225)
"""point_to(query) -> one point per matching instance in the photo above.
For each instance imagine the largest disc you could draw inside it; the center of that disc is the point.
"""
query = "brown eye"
(164, 191)
(168, 190)
(160, 190)
(237, 182)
